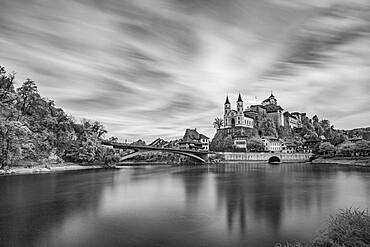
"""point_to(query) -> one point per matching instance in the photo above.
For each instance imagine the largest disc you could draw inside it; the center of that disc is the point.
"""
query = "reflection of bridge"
(196, 154)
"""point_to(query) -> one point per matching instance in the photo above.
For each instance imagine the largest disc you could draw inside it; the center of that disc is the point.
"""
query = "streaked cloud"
(150, 68)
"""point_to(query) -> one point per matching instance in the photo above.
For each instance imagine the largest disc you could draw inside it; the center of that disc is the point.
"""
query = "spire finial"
(227, 100)
(240, 98)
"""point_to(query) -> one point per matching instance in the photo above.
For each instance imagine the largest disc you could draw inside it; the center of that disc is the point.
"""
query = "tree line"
(33, 129)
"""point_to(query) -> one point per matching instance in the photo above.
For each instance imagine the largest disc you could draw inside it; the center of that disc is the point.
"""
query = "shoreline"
(359, 162)
(44, 170)
(62, 167)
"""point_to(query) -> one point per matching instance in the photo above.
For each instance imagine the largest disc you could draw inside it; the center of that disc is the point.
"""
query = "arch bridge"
(198, 155)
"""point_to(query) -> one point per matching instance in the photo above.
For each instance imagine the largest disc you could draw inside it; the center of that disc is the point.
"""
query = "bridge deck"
(128, 146)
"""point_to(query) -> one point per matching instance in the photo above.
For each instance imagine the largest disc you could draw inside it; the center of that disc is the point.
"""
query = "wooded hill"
(33, 129)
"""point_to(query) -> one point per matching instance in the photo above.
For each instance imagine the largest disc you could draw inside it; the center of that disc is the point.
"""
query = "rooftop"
(193, 135)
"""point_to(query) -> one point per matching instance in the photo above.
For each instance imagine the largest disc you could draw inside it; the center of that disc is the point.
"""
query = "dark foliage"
(33, 128)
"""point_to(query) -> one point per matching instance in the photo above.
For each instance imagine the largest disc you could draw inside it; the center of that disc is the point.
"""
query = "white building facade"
(272, 144)
(236, 118)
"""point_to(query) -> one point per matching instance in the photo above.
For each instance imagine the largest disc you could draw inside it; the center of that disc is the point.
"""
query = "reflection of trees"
(192, 179)
(31, 205)
(266, 192)
(250, 190)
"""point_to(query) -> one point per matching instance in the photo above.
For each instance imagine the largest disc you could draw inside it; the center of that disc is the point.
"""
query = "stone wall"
(284, 157)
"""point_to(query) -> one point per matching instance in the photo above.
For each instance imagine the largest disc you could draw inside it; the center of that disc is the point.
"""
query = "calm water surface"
(227, 205)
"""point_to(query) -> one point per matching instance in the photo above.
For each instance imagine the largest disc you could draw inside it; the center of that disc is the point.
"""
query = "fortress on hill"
(251, 116)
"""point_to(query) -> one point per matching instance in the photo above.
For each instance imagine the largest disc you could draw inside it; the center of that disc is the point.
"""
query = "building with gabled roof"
(194, 140)
(272, 143)
(273, 110)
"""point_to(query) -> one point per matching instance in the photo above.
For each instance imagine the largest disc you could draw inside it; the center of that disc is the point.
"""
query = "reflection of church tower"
(227, 110)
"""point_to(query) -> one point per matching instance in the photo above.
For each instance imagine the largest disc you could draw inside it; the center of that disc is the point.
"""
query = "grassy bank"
(348, 228)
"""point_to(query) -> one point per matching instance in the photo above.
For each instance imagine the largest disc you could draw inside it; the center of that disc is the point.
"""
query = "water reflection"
(234, 204)
(30, 205)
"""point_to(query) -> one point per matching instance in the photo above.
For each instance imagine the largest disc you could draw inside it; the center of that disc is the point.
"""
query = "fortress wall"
(284, 157)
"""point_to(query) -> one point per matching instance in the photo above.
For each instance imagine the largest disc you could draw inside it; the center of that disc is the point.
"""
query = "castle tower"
(227, 105)
(240, 114)
(227, 108)
(239, 104)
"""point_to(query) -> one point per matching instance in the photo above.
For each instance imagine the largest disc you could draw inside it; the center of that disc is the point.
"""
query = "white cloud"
(149, 71)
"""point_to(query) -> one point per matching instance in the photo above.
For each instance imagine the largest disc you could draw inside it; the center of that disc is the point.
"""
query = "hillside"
(33, 130)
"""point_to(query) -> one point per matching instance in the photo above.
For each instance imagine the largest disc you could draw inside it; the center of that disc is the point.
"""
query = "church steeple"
(240, 98)
(227, 105)
(227, 100)
(239, 104)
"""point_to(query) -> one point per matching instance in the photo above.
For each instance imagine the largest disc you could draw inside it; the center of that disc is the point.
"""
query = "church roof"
(227, 100)
(240, 98)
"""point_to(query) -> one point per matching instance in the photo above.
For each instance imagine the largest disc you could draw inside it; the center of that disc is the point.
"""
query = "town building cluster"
(244, 122)
(251, 117)
(192, 140)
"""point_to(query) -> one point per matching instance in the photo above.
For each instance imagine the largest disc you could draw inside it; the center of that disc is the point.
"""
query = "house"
(240, 142)
(194, 140)
(308, 146)
(289, 147)
(272, 144)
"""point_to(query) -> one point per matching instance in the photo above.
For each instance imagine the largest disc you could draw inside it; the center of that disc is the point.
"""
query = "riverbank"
(348, 227)
(141, 163)
(40, 169)
(347, 161)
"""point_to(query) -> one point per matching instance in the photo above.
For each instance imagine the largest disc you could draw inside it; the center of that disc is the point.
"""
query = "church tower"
(239, 104)
(240, 113)
(227, 107)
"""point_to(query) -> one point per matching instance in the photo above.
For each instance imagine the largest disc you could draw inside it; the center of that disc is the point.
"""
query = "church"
(236, 118)
(253, 115)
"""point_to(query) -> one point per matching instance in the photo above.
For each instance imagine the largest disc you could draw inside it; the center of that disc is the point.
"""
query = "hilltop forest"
(33, 129)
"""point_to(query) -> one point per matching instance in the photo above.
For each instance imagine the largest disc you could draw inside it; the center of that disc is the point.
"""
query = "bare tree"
(218, 122)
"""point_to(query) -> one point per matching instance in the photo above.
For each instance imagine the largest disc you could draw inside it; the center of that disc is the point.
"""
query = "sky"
(152, 68)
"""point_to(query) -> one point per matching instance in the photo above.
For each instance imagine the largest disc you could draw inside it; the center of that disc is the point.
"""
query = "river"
(223, 205)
